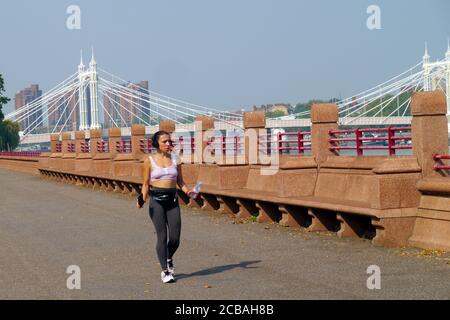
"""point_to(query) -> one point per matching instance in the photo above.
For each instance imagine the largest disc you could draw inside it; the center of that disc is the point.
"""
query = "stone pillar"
(66, 139)
(54, 139)
(429, 128)
(95, 136)
(83, 161)
(68, 157)
(137, 134)
(54, 158)
(324, 117)
(202, 124)
(80, 137)
(115, 134)
(254, 126)
(167, 125)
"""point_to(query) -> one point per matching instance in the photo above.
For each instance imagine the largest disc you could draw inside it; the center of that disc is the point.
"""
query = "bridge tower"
(447, 76)
(82, 95)
(427, 70)
(432, 82)
(94, 92)
(90, 76)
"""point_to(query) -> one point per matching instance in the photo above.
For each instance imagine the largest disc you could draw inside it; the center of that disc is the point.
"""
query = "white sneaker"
(166, 277)
(170, 267)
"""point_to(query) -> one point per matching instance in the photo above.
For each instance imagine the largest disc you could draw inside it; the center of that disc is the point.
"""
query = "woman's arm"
(180, 181)
(145, 177)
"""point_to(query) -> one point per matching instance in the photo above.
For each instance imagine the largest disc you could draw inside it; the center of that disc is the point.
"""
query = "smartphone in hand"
(140, 200)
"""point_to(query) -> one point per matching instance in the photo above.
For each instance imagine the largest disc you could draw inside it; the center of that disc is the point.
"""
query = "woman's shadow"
(219, 269)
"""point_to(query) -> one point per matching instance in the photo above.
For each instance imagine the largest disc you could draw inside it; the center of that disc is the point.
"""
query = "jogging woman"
(161, 174)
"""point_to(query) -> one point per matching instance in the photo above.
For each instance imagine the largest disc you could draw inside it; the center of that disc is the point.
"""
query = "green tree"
(305, 107)
(387, 105)
(3, 99)
(10, 135)
(9, 130)
(275, 114)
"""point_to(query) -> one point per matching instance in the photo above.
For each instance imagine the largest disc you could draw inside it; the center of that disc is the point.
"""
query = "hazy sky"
(229, 54)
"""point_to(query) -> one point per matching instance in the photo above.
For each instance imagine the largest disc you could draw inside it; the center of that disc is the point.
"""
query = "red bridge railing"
(85, 147)
(58, 147)
(185, 144)
(20, 153)
(361, 138)
(226, 143)
(440, 166)
(145, 145)
(71, 147)
(102, 146)
(123, 146)
(298, 141)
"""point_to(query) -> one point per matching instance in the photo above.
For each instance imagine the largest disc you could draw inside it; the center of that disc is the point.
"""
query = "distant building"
(286, 108)
(63, 111)
(24, 97)
(123, 110)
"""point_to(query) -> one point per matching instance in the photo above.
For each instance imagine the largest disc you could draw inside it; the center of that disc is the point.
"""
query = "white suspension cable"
(387, 89)
(126, 94)
(65, 108)
(70, 114)
(174, 99)
(386, 103)
(104, 109)
(400, 107)
(41, 116)
(169, 109)
(121, 88)
(39, 100)
(38, 108)
(117, 111)
(381, 84)
(371, 100)
(25, 135)
(137, 106)
(129, 111)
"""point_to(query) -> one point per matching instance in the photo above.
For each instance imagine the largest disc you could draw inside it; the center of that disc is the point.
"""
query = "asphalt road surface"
(45, 227)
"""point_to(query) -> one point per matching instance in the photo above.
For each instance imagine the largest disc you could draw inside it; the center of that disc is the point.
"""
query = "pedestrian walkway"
(47, 226)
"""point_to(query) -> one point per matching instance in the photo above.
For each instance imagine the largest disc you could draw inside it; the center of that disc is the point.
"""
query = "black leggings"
(165, 214)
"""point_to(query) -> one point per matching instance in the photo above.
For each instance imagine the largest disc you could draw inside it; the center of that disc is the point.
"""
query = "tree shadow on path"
(219, 269)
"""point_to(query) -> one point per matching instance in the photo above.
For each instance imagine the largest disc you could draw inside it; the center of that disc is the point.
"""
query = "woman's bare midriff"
(164, 184)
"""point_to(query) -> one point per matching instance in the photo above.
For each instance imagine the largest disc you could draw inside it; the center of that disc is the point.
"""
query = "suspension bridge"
(93, 98)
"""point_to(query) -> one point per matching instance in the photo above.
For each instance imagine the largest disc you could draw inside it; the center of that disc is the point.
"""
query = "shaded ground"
(47, 226)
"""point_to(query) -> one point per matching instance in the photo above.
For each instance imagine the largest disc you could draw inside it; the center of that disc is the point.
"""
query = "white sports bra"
(160, 173)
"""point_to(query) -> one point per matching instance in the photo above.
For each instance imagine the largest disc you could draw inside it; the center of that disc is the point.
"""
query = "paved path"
(47, 226)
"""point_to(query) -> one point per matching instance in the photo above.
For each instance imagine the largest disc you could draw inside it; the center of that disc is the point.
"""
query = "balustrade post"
(429, 128)
(95, 137)
(115, 135)
(254, 126)
(324, 117)
(202, 125)
(66, 138)
(80, 139)
(137, 134)
(54, 140)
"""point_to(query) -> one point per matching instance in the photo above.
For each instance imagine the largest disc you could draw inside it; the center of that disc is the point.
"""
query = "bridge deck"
(41, 233)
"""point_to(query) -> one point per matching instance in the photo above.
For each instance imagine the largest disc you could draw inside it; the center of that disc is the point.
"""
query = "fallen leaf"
(207, 286)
